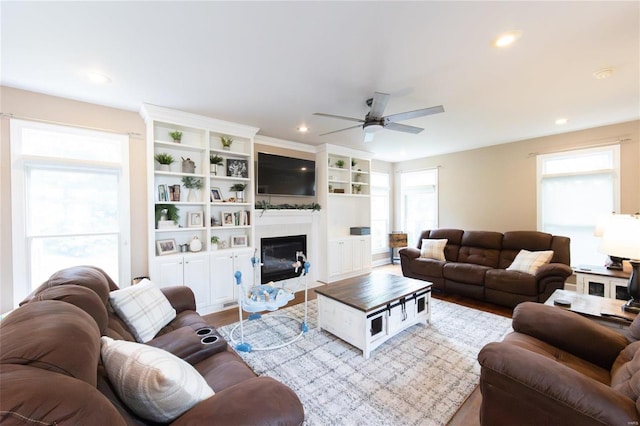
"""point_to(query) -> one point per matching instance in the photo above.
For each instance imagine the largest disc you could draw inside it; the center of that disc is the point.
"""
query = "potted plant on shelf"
(164, 160)
(166, 216)
(340, 164)
(176, 136)
(353, 163)
(226, 142)
(216, 161)
(357, 189)
(214, 242)
(193, 185)
(239, 190)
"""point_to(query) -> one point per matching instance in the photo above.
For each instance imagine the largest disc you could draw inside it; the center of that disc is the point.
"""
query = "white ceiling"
(273, 64)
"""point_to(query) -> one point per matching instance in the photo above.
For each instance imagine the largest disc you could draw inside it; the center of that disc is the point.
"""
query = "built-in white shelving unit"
(215, 210)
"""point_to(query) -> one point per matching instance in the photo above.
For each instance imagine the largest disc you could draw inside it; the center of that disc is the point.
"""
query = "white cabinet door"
(222, 282)
(168, 271)
(365, 249)
(340, 257)
(242, 263)
(196, 277)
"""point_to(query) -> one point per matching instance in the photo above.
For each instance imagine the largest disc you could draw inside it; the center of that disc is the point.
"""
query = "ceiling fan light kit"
(374, 121)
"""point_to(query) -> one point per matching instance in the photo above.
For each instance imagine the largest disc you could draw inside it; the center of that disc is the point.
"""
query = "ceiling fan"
(374, 120)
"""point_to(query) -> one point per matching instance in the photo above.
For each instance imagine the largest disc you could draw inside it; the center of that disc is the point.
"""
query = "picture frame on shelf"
(167, 246)
(194, 220)
(239, 241)
(227, 219)
(238, 168)
(216, 194)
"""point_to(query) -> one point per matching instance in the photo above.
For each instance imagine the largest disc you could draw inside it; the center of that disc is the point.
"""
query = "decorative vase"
(195, 245)
(188, 166)
(192, 196)
(240, 196)
(165, 167)
(226, 147)
(213, 168)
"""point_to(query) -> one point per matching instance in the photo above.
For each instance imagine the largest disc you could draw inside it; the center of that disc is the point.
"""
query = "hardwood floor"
(468, 413)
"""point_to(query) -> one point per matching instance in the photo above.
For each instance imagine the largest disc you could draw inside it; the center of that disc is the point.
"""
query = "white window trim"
(400, 197)
(21, 276)
(384, 250)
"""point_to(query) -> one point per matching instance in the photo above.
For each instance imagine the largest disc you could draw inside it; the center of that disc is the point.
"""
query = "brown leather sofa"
(51, 370)
(559, 368)
(476, 261)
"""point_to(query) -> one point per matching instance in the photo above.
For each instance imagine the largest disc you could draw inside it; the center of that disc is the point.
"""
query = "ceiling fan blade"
(322, 114)
(341, 130)
(378, 104)
(413, 114)
(403, 128)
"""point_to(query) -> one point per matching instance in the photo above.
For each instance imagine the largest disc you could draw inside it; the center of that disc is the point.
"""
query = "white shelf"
(182, 229)
(178, 146)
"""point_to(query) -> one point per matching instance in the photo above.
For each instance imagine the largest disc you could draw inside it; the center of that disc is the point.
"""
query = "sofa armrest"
(409, 252)
(515, 381)
(180, 297)
(256, 401)
(551, 269)
(186, 344)
(570, 332)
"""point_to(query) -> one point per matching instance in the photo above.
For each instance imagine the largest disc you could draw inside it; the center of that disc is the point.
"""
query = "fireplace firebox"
(278, 256)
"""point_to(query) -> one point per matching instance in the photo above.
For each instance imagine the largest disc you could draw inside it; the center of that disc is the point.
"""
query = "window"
(575, 190)
(70, 202)
(380, 189)
(419, 202)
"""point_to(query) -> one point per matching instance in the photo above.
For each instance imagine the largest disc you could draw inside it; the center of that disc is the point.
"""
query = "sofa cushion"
(144, 308)
(454, 237)
(433, 249)
(153, 383)
(511, 282)
(480, 248)
(32, 335)
(428, 267)
(625, 372)
(467, 273)
(529, 261)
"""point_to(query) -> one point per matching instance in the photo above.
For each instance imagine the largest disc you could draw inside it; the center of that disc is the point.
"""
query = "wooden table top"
(372, 291)
(593, 306)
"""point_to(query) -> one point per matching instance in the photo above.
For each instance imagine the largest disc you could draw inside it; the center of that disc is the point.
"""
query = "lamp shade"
(621, 237)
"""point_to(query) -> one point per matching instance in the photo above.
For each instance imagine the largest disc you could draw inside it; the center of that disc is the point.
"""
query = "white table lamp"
(621, 238)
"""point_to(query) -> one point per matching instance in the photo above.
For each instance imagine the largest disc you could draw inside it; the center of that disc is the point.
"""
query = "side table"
(603, 282)
(599, 309)
(396, 240)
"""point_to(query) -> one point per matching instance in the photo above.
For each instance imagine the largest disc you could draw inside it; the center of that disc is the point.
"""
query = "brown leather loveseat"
(51, 370)
(559, 368)
(475, 264)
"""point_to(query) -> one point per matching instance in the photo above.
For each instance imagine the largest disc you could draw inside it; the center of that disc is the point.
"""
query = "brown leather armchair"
(559, 368)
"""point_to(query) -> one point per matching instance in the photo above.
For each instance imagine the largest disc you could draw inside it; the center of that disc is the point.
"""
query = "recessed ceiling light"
(603, 73)
(303, 129)
(561, 121)
(98, 77)
(506, 39)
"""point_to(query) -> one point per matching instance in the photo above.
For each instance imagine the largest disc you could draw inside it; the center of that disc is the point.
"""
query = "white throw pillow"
(154, 383)
(530, 261)
(144, 308)
(433, 249)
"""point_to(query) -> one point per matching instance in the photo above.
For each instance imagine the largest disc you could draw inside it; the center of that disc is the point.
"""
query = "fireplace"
(278, 255)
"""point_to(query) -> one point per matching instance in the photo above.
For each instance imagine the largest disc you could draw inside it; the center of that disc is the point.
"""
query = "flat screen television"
(280, 175)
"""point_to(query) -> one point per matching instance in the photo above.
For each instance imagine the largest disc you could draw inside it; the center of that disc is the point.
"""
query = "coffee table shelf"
(367, 311)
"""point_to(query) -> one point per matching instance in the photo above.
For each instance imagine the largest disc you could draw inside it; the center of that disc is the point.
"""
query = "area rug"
(419, 377)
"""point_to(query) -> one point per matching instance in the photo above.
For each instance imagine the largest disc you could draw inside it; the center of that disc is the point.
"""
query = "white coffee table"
(367, 311)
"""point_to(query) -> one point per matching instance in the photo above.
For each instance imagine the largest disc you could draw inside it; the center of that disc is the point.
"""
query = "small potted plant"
(239, 190)
(226, 142)
(357, 189)
(164, 160)
(215, 160)
(176, 136)
(166, 213)
(353, 163)
(193, 185)
(214, 242)
(340, 164)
